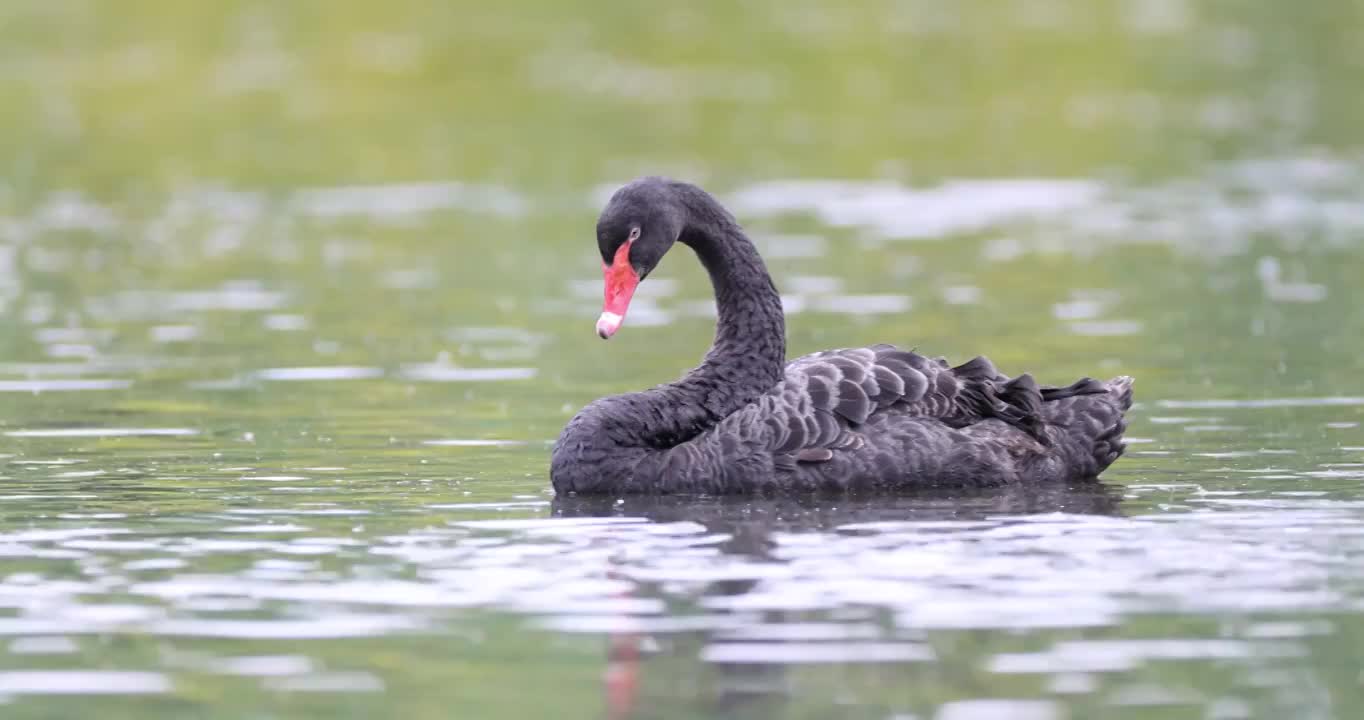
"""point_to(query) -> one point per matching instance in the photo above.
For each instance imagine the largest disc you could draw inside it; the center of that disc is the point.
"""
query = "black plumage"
(871, 418)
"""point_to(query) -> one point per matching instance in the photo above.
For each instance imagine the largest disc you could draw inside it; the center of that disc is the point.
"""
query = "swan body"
(745, 421)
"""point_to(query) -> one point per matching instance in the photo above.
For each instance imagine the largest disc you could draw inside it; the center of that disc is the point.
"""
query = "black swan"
(745, 421)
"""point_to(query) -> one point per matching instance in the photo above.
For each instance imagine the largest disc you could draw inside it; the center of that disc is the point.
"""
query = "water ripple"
(84, 432)
(88, 682)
(42, 386)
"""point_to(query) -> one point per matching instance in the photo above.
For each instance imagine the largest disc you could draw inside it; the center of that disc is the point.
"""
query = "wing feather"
(826, 398)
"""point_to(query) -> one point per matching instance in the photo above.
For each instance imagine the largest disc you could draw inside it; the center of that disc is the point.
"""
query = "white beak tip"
(608, 324)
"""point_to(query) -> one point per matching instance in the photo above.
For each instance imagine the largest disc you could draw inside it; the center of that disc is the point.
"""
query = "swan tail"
(1089, 420)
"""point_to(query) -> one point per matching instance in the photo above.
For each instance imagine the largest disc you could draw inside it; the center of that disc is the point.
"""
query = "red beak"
(620, 283)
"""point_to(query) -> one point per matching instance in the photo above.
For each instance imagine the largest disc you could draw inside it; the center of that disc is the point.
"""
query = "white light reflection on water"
(397, 201)
(42, 386)
(442, 372)
(1058, 569)
(1216, 213)
(999, 708)
(90, 682)
(101, 432)
(896, 211)
(296, 374)
(473, 442)
(1261, 403)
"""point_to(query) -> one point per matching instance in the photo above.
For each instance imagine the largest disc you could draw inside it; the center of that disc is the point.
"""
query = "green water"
(295, 297)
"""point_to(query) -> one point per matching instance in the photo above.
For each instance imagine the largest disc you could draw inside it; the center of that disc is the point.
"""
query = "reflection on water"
(777, 584)
(899, 212)
(765, 516)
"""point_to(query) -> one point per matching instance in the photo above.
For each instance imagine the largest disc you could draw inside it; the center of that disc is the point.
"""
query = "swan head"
(639, 225)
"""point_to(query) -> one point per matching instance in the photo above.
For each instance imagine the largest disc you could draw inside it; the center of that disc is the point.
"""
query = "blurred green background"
(122, 98)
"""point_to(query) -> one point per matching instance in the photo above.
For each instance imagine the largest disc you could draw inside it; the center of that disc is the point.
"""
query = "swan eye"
(634, 234)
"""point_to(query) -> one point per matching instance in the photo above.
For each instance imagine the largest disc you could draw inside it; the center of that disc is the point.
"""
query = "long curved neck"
(748, 354)
(621, 440)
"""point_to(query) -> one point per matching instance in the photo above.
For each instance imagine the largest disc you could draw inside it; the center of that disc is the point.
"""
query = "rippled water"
(292, 315)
